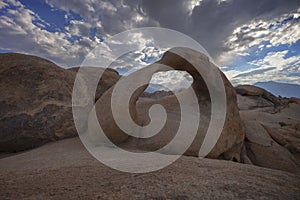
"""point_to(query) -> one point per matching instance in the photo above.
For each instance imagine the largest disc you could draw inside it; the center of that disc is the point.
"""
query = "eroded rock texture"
(230, 143)
(36, 108)
(271, 127)
(35, 101)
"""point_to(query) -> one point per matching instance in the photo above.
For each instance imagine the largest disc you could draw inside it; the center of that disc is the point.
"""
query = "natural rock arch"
(230, 142)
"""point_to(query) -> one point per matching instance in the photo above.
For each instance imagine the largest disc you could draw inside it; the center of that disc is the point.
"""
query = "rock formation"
(35, 101)
(108, 78)
(252, 97)
(36, 108)
(271, 128)
(228, 146)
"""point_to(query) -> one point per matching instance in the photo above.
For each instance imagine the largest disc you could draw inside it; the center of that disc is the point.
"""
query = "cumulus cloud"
(226, 28)
(277, 59)
(20, 32)
(282, 30)
(274, 66)
(172, 80)
(115, 15)
(3, 4)
(79, 28)
(137, 59)
(212, 22)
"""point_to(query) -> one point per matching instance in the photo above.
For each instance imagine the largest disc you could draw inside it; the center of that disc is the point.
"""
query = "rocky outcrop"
(252, 97)
(36, 108)
(90, 75)
(35, 101)
(271, 128)
(229, 145)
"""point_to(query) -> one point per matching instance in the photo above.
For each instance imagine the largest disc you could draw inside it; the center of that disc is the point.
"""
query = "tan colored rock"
(35, 101)
(264, 151)
(272, 138)
(108, 78)
(250, 90)
(256, 133)
(250, 102)
(230, 143)
(286, 137)
(252, 97)
(274, 157)
(231, 140)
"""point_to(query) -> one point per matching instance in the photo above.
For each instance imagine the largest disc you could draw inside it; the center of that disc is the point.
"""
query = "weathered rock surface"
(271, 128)
(35, 101)
(252, 97)
(228, 146)
(90, 75)
(36, 108)
(65, 170)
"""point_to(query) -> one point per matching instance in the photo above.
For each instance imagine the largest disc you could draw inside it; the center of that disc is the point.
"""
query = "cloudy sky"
(250, 40)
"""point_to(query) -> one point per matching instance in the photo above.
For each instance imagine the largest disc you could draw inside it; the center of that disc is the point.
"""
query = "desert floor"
(64, 170)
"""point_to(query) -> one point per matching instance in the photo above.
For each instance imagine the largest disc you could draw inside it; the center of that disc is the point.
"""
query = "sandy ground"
(65, 170)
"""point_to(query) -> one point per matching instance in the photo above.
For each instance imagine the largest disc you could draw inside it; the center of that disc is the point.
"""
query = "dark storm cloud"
(114, 15)
(212, 22)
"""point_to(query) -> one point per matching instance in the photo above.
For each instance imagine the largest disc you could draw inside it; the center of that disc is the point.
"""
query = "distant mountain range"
(152, 87)
(276, 88)
(282, 89)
